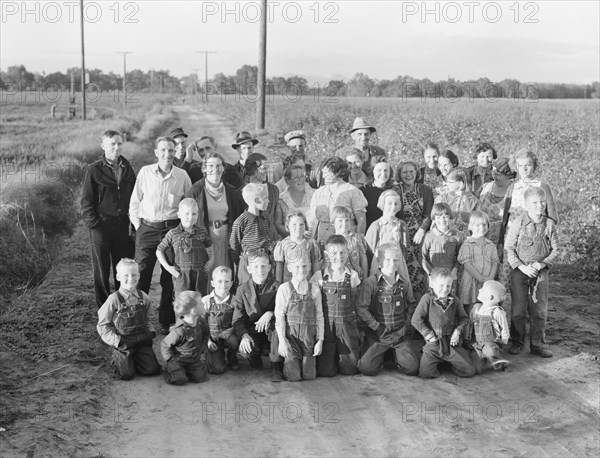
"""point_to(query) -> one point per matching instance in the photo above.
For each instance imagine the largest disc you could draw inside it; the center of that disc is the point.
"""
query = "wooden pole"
(262, 69)
(82, 62)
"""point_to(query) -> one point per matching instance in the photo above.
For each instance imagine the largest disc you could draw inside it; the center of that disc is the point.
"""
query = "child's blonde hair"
(339, 212)
(441, 208)
(253, 190)
(495, 288)
(186, 301)
(440, 272)
(188, 202)
(222, 270)
(293, 214)
(389, 248)
(256, 254)
(125, 262)
(478, 217)
(384, 195)
(534, 191)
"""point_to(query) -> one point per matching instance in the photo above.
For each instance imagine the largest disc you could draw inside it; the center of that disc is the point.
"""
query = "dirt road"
(536, 408)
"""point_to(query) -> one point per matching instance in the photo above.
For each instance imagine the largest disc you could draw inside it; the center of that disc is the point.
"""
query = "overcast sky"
(541, 41)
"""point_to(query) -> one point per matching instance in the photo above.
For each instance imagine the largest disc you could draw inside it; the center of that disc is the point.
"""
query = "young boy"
(341, 346)
(299, 322)
(125, 323)
(191, 250)
(219, 314)
(253, 315)
(341, 218)
(491, 326)
(384, 303)
(250, 231)
(532, 247)
(184, 349)
(442, 243)
(441, 320)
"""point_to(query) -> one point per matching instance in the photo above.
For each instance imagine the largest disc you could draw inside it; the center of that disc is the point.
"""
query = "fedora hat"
(294, 134)
(359, 123)
(243, 137)
(177, 132)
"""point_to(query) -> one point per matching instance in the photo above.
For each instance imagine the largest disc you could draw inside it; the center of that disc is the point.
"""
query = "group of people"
(335, 267)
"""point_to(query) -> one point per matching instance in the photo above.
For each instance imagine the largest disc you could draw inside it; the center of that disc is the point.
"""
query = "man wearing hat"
(184, 155)
(244, 145)
(361, 134)
(296, 143)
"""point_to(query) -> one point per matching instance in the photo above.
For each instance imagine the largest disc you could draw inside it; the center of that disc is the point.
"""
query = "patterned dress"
(415, 210)
(493, 205)
(482, 254)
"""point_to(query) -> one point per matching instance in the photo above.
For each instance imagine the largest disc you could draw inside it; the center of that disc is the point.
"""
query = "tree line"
(244, 82)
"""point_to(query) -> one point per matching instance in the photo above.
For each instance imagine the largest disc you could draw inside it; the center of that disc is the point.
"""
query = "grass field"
(563, 133)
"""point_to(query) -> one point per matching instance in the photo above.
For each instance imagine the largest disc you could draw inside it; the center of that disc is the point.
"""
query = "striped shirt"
(250, 232)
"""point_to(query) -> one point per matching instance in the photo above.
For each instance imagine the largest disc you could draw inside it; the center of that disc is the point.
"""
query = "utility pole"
(82, 61)
(152, 81)
(206, 53)
(124, 74)
(262, 68)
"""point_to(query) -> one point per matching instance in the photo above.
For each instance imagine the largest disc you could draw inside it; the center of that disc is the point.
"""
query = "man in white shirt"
(153, 212)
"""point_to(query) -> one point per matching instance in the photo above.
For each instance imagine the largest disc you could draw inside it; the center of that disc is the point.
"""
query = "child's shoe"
(277, 372)
(500, 364)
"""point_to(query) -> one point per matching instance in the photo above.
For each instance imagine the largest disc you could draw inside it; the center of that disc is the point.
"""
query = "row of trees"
(244, 82)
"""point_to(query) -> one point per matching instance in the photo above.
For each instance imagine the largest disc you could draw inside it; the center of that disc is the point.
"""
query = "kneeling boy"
(253, 315)
(441, 320)
(384, 303)
(125, 323)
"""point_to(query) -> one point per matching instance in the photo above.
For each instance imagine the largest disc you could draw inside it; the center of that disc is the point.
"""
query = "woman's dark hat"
(502, 166)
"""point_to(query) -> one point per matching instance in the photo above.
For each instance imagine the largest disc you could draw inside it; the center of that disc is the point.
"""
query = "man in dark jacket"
(105, 198)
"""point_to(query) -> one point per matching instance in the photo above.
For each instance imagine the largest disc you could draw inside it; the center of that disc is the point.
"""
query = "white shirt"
(156, 198)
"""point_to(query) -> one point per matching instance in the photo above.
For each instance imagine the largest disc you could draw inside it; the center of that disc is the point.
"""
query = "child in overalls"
(184, 349)
(219, 315)
(125, 323)
(299, 322)
(338, 284)
(384, 304)
(191, 248)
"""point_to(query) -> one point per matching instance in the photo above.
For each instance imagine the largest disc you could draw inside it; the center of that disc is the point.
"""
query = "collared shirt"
(156, 198)
(317, 278)
(106, 314)
(498, 318)
(362, 179)
(282, 299)
(528, 242)
(441, 249)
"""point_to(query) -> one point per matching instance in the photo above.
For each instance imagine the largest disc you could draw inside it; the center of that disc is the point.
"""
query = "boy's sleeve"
(235, 240)
(240, 317)
(106, 327)
(316, 293)
(149, 312)
(552, 235)
(169, 343)
(166, 242)
(365, 292)
(510, 244)
(500, 319)
(419, 318)
(281, 305)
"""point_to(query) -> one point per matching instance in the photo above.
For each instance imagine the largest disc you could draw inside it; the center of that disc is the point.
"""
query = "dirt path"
(538, 408)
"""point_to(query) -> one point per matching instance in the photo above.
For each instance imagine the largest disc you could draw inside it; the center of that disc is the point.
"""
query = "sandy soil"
(536, 408)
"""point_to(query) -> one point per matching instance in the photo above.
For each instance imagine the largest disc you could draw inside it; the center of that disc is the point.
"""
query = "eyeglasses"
(297, 179)
(214, 166)
(355, 163)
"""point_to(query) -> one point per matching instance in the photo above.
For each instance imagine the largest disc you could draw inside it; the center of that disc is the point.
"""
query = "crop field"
(564, 134)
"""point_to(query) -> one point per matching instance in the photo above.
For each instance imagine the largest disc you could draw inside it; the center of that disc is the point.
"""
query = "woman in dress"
(335, 191)
(417, 201)
(296, 197)
(383, 179)
(218, 207)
